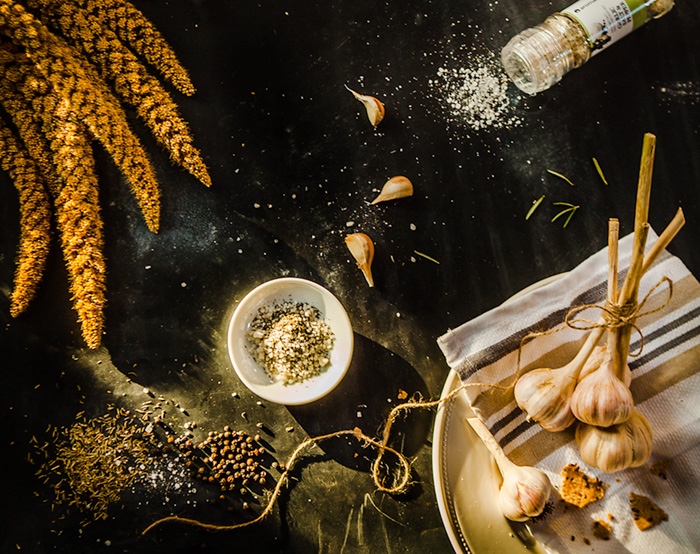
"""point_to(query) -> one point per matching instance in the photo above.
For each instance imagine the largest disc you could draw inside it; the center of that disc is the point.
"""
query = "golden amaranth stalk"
(76, 202)
(35, 218)
(139, 34)
(130, 79)
(25, 118)
(80, 225)
(101, 114)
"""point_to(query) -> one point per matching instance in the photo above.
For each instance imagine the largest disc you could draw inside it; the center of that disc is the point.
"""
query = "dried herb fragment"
(426, 257)
(534, 206)
(556, 174)
(570, 209)
(600, 171)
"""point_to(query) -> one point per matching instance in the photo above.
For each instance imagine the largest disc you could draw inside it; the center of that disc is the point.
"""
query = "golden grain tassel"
(35, 219)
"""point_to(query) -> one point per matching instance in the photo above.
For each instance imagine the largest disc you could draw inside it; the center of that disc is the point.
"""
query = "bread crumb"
(601, 530)
(578, 488)
(645, 512)
(660, 468)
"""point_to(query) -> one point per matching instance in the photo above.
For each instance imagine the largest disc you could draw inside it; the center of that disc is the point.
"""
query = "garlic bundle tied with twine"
(593, 388)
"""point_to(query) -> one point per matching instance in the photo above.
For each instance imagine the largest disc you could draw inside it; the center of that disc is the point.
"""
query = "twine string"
(401, 480)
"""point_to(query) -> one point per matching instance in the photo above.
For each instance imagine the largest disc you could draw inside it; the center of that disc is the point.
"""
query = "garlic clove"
(396, 187)
(374, 108)
(617, 447)
(545, 396)
(601, 399)
(362, 249)
(524, 493)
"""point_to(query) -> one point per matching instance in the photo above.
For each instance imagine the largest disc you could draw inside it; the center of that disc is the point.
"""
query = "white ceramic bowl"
(254, 376)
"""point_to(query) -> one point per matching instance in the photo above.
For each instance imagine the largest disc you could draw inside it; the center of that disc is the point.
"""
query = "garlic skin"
(615, 448)
(545, 396)
(375, 109)
(362, 249)
(524, 493)
(601, 399)
(525, 490)
(396, 187)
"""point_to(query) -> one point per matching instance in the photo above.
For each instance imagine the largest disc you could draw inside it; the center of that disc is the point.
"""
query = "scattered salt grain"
(476, 93)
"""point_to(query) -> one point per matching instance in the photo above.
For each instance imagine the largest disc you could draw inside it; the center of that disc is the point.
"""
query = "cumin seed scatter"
(291, 341)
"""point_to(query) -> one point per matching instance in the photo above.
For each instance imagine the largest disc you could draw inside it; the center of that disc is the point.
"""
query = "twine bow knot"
(619, 315)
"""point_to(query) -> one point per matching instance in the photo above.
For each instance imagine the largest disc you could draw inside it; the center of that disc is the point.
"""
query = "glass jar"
(537, 58)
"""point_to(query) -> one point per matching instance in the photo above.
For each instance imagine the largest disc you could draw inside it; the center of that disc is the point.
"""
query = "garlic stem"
(664, 239)
(525, 490)
(613, 235)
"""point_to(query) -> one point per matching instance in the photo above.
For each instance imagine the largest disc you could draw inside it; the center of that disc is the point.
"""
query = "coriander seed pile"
(291, 341)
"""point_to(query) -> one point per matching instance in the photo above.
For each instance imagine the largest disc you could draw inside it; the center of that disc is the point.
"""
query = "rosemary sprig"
(534, 206)
(600, 171)
(427, 257)
(556, 174)
(570, 209)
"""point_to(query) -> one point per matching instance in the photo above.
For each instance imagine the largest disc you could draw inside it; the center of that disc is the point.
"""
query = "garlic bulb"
(396, 187)
(618, 447)
(374, 108)
(544, 394)
(525, 490)
(362, 249)
(601, 398)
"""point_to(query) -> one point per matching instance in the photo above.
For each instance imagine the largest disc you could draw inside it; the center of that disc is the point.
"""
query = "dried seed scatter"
(645, 512)
(578, 488)
(291, 341)
(476, 94)
(89, 464)
(601, 530)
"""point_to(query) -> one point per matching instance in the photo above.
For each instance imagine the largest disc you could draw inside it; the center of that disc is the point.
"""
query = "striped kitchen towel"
(665, 385)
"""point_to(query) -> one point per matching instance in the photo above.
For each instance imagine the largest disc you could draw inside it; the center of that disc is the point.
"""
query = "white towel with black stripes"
(665, 385)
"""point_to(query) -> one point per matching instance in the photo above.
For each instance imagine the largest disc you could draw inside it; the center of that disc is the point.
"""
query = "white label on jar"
(606, 21)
